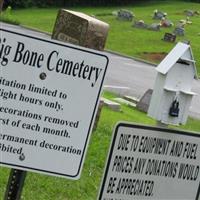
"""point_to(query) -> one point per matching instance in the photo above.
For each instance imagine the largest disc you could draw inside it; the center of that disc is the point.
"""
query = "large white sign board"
(152, 163)
(49, 94)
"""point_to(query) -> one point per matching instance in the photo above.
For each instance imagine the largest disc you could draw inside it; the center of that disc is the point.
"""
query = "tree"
(1, 5)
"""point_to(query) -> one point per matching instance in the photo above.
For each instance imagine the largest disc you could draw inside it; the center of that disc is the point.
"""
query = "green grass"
(122, 36)
(43, 187)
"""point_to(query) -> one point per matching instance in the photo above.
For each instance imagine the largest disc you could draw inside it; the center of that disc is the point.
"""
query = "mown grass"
(43, 187)
(122, 36)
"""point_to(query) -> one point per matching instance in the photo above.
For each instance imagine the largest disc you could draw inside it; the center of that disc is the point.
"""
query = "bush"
(7, 17)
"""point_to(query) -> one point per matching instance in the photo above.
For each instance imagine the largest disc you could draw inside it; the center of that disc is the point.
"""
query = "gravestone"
(166, 23)
(125, 15)
(80, 29)
(114, 13)
(179, 31)
(140, 24)
(184, 22)
(189, 12)
(144, 102)
(197, 12)
(98, 114)
(169, 37)
(154, 27)
(159, 14)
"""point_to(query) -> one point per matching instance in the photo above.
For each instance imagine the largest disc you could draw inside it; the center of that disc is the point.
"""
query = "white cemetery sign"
(152, 163)
(49, 94)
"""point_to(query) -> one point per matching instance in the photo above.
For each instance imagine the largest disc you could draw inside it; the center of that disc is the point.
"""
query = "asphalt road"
(128, 76)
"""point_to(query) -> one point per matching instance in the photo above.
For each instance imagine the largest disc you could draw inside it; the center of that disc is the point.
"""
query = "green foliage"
(6, 16)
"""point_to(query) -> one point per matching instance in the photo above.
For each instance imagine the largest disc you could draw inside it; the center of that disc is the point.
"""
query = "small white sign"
(152, 163)
(49, 94)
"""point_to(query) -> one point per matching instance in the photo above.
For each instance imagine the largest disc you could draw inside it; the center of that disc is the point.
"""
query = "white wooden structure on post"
(172, 93)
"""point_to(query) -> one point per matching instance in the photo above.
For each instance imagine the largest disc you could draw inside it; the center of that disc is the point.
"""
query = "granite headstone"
(125, 15)
(80, 29)
(144, 102)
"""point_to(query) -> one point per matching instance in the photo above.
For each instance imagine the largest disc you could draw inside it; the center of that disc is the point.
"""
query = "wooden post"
(80, 29)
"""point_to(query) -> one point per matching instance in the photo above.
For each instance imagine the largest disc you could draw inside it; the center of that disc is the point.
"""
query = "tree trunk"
(1, 5)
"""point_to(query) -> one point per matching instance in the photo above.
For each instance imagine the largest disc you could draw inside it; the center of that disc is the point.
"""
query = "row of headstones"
(127, 15)
(179, 30)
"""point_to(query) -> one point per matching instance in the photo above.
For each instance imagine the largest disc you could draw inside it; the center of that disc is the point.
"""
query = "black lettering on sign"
(134, 187)
(111, 185)
(139, 165)
(27, 57)
(4, 51)
(188, 172)
(161, 168)
(124, 140)
(135, 142)
(176, 149)
(123, 164)
(190, 150)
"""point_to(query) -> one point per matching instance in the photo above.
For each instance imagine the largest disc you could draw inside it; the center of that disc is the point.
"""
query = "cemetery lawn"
(123, 38)
(43, 187)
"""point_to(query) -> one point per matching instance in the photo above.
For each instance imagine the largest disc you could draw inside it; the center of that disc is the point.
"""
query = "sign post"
(15, 184)
(145, 163)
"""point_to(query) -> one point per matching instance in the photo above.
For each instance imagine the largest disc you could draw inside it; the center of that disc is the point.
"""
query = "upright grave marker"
(49, 96)
(169, 37)
(80, 29)
(152, 163)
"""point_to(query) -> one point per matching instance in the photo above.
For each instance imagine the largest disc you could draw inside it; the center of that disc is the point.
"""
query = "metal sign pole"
(15, 184)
